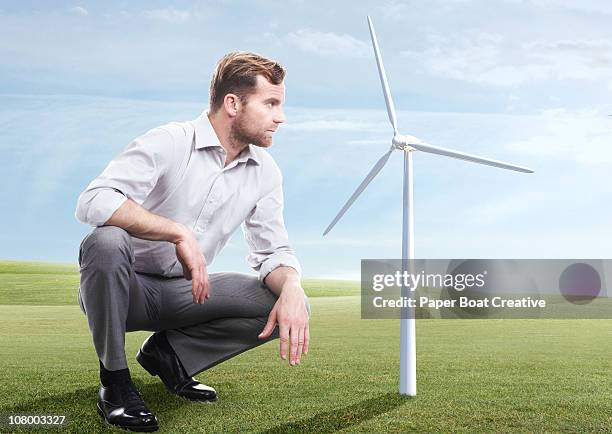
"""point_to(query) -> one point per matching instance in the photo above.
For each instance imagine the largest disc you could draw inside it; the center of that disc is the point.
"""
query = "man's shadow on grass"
(341, 418)
(79, 408)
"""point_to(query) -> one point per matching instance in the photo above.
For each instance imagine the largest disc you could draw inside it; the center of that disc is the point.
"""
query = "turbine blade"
(425, 147)
(383, 78)
(377, 168)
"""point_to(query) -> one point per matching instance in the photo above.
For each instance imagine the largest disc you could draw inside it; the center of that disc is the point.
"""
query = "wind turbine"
(408, 144)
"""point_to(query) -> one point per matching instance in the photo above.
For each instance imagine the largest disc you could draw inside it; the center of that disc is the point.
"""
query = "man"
(163, 209)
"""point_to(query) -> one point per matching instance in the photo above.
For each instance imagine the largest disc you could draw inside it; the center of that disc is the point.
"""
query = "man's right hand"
(143, 224)
(192, 259)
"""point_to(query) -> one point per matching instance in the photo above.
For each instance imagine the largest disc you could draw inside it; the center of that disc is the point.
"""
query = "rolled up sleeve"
(96, 205)
(131, 175)
(265, 233)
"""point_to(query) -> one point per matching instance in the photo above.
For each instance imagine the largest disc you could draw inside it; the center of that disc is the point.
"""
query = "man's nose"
(280, 117)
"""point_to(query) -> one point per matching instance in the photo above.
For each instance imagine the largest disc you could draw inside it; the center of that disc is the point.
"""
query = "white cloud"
(394, 10)
(170, 15)
(401, 10)
(573, 59)
(320, 241)
(79, 10)
(369, 142)
(583, 137)
(493, 60)
(327, 44)
(593, 6)
(508, 207)
(333, 125)
(476, 57)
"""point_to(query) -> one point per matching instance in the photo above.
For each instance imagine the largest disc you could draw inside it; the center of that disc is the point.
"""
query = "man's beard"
(241, 134)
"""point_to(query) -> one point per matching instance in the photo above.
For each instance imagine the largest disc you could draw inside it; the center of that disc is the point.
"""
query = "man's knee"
(106, 247)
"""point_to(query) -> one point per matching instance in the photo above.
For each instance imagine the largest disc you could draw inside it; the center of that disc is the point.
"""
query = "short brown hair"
(237, 73)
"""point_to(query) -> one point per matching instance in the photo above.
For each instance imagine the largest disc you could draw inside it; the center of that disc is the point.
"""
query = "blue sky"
(525, 81)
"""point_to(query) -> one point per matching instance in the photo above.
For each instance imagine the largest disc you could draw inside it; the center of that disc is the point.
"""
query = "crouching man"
(162, 210)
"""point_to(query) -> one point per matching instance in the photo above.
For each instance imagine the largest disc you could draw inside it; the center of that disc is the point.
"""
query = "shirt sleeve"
(131, 175)
(265, 233)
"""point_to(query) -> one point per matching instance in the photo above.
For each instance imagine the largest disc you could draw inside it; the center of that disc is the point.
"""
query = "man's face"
(260, 114)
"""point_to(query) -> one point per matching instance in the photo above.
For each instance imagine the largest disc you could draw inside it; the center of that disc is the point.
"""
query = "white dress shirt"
(177, 171)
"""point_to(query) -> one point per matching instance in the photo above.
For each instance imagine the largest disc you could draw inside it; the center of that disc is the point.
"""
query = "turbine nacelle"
(405, 142)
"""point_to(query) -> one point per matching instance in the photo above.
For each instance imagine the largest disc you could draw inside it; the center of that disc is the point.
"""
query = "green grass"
(473, 375)
(36, 283)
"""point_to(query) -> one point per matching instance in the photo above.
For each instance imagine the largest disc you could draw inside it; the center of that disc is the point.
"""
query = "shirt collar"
(206, 137)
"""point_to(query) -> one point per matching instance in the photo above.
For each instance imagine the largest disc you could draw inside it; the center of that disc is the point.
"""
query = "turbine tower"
(408, 144)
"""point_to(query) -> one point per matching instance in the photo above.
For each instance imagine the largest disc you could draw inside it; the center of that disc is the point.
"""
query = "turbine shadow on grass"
(342, 418)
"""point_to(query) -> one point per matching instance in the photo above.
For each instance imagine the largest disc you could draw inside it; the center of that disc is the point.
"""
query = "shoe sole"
(153, 368)
(127, 428)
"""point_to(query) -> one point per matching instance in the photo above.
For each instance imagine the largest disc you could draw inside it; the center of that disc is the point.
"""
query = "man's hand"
(141, 223)
(190, 256)
(291, 315)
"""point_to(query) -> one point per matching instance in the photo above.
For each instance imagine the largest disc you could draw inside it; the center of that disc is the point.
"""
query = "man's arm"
(271, 255)
(132, 174)
(142, 223)
(289, 312)
(114, 199)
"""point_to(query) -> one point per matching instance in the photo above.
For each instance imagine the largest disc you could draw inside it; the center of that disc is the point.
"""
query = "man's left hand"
(291, 315)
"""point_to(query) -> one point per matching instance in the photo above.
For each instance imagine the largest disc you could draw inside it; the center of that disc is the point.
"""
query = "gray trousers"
(116, 300)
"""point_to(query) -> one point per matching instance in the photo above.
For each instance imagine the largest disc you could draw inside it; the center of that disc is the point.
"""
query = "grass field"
(473, 375)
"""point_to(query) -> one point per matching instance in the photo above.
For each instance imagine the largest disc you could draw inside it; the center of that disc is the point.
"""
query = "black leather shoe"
(121, 405)
(167, 365)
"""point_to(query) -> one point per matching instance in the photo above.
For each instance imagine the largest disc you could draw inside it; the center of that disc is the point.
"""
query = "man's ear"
(231, 104)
